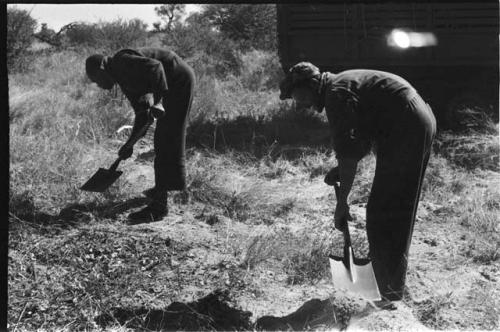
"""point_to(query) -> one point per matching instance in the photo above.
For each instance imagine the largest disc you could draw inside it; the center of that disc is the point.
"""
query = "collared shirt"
(361, 105)
(144, 74)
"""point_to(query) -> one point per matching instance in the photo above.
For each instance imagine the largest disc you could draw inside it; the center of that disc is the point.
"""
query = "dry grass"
(471, 151)
(303, 256)
(68, 284)
(430, 312)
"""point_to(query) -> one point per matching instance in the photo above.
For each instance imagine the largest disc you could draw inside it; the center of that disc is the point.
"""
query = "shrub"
(260, 70)
(206, 50)
(109, 36)
(250, 25)
(20, 29)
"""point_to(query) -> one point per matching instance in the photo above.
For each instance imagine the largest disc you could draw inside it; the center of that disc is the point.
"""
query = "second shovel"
(353, 274)
(103, 178)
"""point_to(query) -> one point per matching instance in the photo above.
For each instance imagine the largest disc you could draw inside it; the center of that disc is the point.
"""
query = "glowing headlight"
(401, 39)
(404, 39)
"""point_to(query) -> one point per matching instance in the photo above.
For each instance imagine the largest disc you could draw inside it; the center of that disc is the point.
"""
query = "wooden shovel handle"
(347, 237)
(141, 132)
(114, 166)
(133, 140)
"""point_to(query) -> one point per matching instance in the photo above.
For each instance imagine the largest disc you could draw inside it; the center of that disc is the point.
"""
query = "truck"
(457, 62)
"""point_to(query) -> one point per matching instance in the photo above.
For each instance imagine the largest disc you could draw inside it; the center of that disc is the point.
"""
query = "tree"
(80, 33)
(251, 25)
(20, 30)
(206, 49)
(48, 35)
(170, 14)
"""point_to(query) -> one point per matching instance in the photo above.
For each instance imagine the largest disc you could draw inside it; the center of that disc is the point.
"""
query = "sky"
(58, 15)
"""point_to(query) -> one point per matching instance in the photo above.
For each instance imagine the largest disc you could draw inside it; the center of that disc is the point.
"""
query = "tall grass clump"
(58, 124)
(471, 151)
(478, 211)
(302, 255)
(227, 111)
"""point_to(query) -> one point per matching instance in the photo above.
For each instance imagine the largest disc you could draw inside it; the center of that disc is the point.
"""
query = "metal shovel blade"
(355, 278)
(103, 178)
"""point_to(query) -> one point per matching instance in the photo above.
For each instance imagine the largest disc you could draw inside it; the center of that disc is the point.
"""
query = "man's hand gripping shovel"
(104, 178)
(353, 274)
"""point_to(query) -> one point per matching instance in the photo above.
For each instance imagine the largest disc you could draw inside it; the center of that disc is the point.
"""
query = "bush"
(206, 50)
(109, 36)
(59, 127)
(260, 70)
(20, 29)
(252, 26)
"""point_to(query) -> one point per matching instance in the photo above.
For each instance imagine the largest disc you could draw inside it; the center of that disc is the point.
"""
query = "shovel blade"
(101, 180)
(364, 284)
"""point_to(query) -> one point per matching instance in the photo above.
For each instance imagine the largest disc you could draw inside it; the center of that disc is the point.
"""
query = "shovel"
(104, 178)
(353, 274)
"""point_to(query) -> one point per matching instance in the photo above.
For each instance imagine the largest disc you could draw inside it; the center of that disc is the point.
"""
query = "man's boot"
(149, 193)
(154, 211)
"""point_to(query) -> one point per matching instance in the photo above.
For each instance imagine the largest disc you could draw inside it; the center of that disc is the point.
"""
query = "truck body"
(345, 35)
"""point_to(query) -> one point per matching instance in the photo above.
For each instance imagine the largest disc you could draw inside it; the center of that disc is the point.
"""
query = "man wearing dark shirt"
(369, 109)
(158, 84)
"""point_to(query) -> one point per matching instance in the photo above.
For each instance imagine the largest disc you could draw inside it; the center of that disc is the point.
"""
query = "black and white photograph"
(314, 166)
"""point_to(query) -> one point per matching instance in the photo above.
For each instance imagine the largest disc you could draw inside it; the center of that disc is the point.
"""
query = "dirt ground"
(448, 291)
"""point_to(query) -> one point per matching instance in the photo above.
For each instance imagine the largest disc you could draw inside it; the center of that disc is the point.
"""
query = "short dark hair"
(299, 75)
(93, 64)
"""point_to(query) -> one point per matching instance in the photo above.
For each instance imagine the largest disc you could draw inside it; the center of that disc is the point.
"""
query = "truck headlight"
(406, 39)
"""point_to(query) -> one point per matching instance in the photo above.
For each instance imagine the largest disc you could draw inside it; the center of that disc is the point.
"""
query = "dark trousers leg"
(170, 136)
(401, 162)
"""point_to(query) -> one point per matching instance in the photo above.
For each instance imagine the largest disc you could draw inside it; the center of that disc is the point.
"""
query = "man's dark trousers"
(170, 132)
(402, 156)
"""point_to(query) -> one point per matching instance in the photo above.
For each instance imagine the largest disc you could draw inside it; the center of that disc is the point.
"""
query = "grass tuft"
(430, 311)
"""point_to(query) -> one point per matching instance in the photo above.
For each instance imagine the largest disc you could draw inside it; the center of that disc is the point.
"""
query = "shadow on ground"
(215, 312)
(314, 314)
(22, 207)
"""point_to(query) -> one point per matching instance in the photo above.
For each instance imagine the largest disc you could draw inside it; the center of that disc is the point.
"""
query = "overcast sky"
(57, 15)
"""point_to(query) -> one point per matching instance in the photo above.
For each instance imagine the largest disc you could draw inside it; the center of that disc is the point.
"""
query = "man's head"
(301, 83)
(94, 66)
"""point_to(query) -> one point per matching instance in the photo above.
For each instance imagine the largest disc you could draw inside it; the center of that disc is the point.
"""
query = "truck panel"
(341, 35)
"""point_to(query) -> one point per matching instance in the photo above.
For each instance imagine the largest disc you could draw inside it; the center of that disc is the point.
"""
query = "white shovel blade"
(365, 284)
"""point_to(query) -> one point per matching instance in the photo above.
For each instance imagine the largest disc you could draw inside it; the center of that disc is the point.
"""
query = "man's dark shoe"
(150, 193)
(386, 305)
(150, 213)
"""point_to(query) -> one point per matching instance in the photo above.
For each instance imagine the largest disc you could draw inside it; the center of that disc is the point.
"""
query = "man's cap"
(298, 74)
(93, 63)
